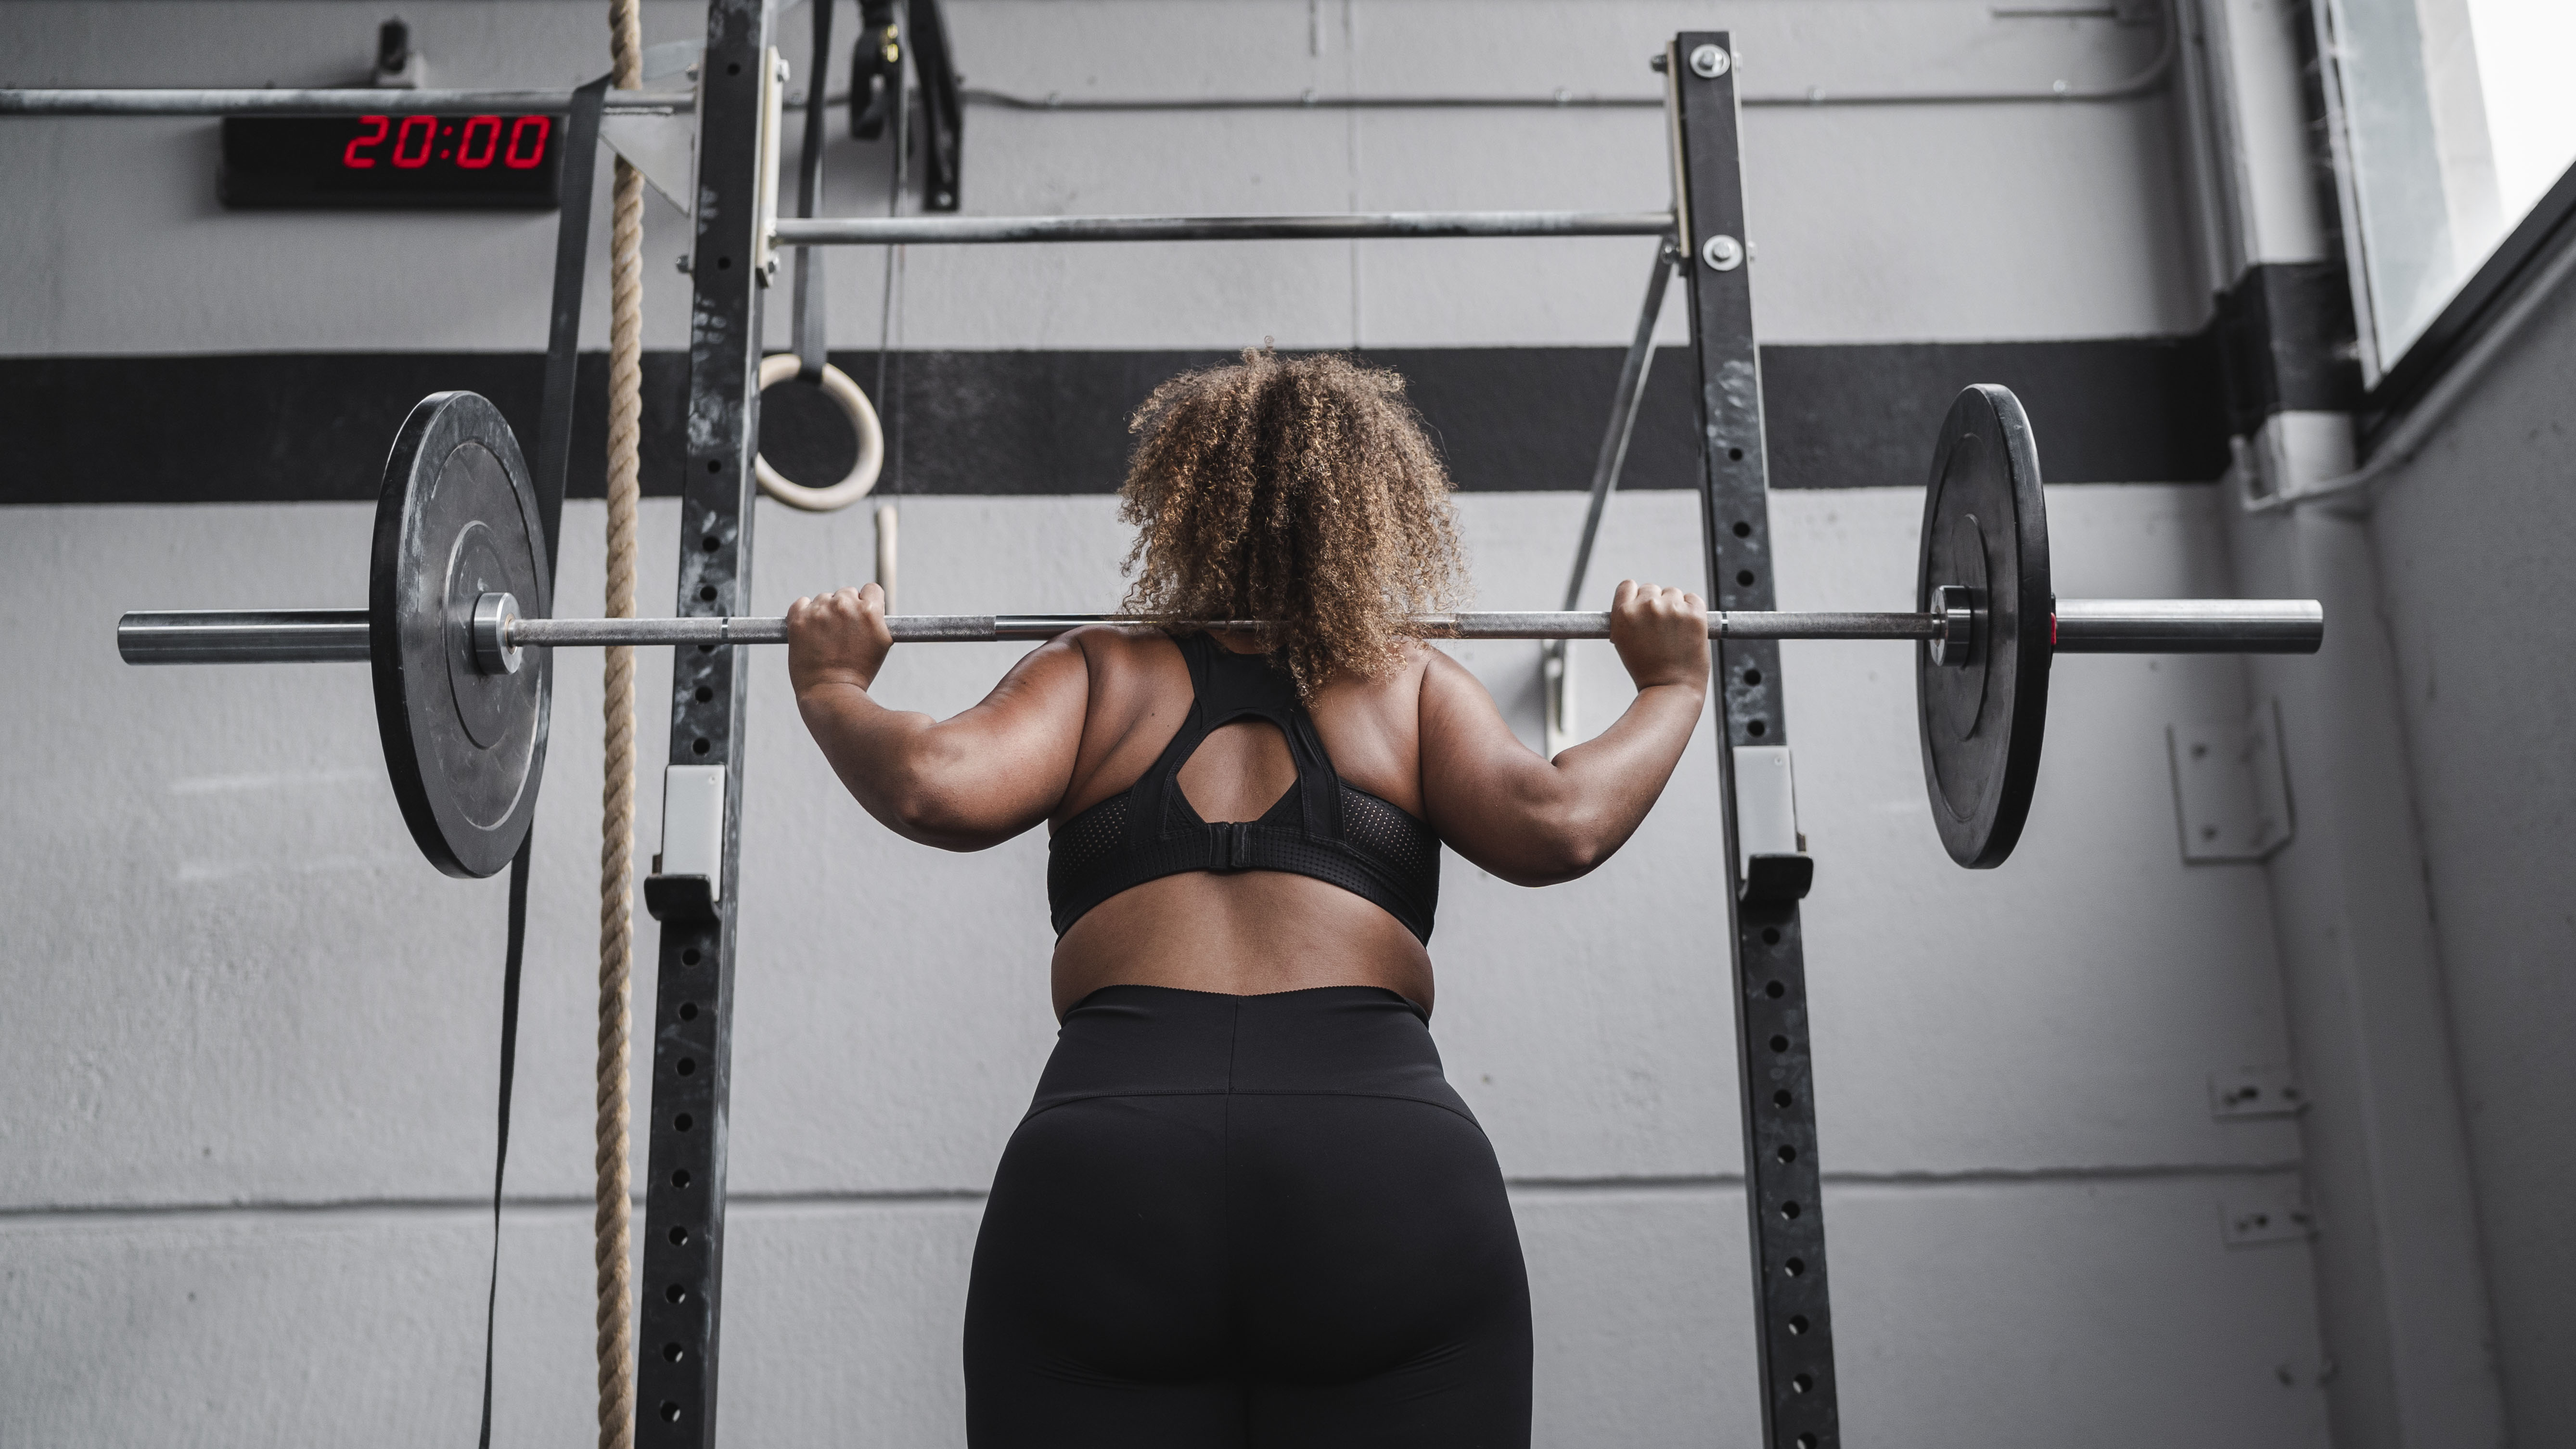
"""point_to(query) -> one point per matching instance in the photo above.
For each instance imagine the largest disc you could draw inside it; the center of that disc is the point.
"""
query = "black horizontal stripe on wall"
(272, 427)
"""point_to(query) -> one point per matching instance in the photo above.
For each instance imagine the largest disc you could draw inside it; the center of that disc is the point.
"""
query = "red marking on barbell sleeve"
(2052, 631)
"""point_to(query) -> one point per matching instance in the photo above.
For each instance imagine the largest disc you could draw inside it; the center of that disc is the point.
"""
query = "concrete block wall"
(242, 1167)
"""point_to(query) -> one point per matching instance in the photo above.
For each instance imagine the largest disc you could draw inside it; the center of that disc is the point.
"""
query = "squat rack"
(676, 1385)
(736, 231)
(737, 104)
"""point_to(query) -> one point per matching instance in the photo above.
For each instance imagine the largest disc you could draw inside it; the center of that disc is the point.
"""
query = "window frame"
(2391, 385)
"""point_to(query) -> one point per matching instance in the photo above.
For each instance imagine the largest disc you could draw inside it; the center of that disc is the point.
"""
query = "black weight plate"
(457, 519)
(1985, 527)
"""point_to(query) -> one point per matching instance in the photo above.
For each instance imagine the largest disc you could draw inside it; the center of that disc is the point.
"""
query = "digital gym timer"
(392, 162)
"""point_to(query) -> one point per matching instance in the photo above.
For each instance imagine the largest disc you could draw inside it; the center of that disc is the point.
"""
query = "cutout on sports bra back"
(1241, 771)
(1315, 824)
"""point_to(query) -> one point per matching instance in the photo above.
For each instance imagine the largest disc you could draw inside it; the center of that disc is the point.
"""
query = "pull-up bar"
(964, 230)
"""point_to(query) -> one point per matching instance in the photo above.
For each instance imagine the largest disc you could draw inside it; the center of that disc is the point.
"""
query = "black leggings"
(1247, 1221)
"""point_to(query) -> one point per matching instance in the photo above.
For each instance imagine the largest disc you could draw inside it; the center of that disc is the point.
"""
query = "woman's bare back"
(1245, 933)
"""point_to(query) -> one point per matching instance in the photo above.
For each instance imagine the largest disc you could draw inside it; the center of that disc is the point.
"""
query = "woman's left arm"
(961, 784)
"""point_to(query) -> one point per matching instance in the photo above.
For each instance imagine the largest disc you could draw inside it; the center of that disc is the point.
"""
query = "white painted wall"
(1912, 224)
(240, 1159)
(2472, 540)
(2404, 1282)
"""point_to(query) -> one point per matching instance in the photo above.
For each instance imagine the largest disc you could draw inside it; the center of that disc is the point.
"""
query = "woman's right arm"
(964, 783)
(1535, 821)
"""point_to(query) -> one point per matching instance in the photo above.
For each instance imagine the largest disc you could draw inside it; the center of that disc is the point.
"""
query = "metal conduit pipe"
(335, 102)
(2149, 80)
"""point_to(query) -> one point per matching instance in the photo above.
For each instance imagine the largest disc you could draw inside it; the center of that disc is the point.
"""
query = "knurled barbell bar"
(499, 631)
(463, 710)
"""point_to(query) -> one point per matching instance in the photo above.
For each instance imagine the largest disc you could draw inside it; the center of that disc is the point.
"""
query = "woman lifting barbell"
(1245, 1207)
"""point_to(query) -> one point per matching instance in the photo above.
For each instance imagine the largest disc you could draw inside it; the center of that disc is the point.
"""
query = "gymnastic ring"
(777, 368)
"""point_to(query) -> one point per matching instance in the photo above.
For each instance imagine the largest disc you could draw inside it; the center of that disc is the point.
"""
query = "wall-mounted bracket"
(2255, 1092)
(663, 148)
(2252, 1219)
(399, 63)
(2231, 789)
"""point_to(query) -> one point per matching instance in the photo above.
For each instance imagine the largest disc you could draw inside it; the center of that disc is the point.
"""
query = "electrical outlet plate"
(2254, 1092)
(2257, 1217)
(2231, 789)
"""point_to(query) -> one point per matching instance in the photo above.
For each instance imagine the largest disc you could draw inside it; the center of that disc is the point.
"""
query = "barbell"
(458, 629)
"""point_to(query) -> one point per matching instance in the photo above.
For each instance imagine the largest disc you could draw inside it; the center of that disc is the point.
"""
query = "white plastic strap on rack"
(693, 824)
(1766, 805)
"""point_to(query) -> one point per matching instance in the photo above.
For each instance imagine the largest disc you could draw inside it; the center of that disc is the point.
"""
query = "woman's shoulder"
(1392, 692)
(1416, 660)
(1116, 644)
(1129, 664)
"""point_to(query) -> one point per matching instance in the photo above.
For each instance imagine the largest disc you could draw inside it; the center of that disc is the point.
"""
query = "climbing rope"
(613, 1315)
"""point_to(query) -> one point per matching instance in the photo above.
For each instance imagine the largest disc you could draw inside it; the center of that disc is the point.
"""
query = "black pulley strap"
(808, 323)
(517, 951)
(554, 463)
(943, 113)
(876, 70)
(563, 330)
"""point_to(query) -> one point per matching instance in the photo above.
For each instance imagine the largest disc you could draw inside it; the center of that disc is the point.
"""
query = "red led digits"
(349, 157)
(536, 144)
(428, 128)
(455, 161)
(480, 141)
(489, 130)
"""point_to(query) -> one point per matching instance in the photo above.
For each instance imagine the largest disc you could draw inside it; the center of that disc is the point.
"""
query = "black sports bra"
(1323, 827)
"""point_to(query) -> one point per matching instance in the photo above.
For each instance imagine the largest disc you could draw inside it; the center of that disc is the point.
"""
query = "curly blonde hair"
(1298, 490)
